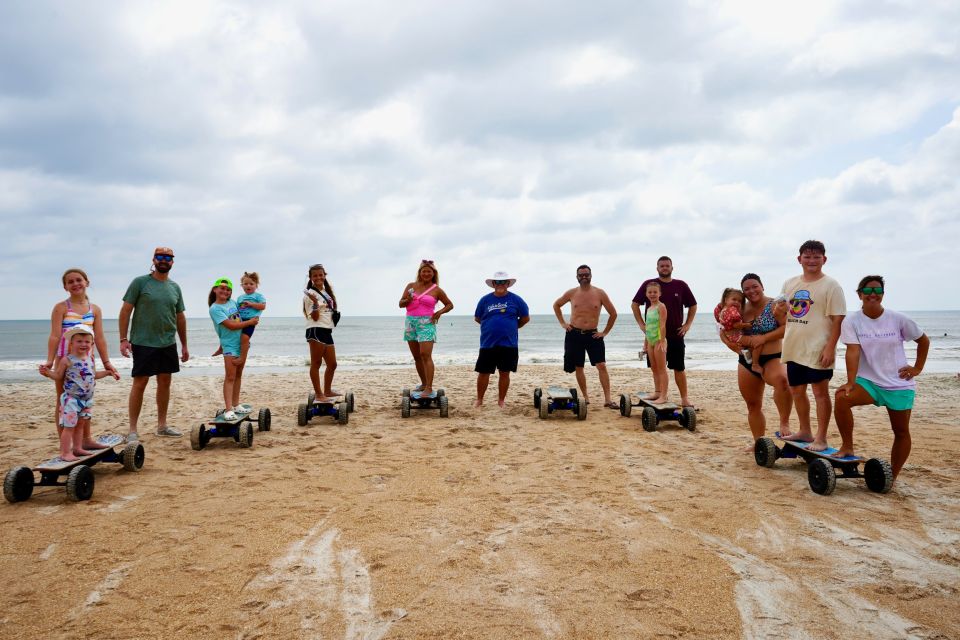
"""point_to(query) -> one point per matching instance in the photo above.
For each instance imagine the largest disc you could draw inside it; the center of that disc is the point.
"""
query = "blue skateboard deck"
(418, 395)
(829, 452)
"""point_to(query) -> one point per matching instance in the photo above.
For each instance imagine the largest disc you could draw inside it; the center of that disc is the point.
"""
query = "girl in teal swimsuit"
(655, 342)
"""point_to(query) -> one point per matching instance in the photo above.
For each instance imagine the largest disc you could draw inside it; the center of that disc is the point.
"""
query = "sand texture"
(488, 524)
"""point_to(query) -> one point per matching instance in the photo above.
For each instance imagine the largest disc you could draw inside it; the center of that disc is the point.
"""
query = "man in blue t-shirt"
(500, 315)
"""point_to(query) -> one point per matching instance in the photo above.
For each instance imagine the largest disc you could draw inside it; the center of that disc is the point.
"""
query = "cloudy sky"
(525, 136)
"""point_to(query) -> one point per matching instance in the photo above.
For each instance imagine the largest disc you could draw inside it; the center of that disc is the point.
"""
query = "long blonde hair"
(436, 274)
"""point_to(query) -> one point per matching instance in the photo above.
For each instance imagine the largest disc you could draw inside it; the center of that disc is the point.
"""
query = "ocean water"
(377, 342)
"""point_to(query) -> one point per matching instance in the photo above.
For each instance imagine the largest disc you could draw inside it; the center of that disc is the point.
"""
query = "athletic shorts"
(580, 341)
(149, 361)
(248, 331)
(493, 358)
(319, 334)
(893, 399)
(676, 349)
(73, 409)
(419, 329)
(798, 374)
(764, 359)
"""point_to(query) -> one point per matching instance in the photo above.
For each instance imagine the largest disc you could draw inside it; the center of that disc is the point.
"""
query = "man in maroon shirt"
(675, 295)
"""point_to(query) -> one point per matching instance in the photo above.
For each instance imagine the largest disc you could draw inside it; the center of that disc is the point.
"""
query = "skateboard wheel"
(444, 406)
(765, 452)
(198, 437)
(581, 408)
(343, 413)
(302, 417)
(349, 399)
(245, 431)
(625, 405)
(132, 456)
(878, 474)
(573, 394)
(822, 477)
(405, 407)
(537, 394)
(18, 485)
(649, 419)
(263, 419)
(80, 483)
(688, 419)
(405, 393)
(441, 393)
(311, 397)
(544, 408)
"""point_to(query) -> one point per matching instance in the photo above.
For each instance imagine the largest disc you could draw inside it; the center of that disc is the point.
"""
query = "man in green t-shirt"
(156, 303)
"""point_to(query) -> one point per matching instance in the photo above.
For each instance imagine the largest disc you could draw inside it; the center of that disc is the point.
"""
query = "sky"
(529, 137)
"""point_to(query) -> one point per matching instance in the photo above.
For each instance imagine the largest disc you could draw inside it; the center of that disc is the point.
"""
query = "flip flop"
(612, 405)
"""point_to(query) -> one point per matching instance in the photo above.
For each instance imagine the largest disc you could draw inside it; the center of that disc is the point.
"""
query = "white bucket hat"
(501, 275)
(76, 330)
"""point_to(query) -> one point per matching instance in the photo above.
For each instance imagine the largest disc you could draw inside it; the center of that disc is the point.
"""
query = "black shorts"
(319, 334)
(149, 361)
(764, 359)
(248, 331)
(676, 349)
(798, 374)
(493, 358)
(578, 341)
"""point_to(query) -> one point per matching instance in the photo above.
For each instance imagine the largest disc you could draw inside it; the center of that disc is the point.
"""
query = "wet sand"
(488, 524)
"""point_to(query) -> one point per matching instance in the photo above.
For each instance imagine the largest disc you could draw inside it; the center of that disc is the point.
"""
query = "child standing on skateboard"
(78, 373)
(655, 343)
(227, 322)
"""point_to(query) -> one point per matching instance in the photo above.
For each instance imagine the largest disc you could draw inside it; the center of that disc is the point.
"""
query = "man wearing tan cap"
(156, 303)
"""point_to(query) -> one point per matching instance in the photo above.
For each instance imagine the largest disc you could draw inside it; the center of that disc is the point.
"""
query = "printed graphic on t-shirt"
(497, 306)
(800, 303)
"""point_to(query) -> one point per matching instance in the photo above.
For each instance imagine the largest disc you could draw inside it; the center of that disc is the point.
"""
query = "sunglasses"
(868, 290)
(425, 261)
(161, 257)
(500, 281)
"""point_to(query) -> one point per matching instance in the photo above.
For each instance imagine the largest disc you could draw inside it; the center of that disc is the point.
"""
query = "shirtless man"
(582, 335)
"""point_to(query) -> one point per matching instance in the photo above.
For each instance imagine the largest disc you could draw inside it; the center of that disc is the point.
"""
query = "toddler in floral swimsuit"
(730, 323)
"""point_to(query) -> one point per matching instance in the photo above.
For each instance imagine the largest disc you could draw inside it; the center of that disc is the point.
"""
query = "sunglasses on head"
(162, 257)
(425, 261)
(868, 290)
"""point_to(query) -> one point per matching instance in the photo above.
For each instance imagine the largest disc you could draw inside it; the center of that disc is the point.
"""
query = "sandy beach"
(488, 524)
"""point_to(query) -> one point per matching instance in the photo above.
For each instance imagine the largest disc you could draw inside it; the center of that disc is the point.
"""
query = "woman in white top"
(319, 305)
(877, 369)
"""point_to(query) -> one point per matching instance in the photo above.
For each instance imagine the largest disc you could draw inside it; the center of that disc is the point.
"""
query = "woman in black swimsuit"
(766, 332)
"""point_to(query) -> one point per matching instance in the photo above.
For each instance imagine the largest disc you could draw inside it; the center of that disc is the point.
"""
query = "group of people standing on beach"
(788, 343)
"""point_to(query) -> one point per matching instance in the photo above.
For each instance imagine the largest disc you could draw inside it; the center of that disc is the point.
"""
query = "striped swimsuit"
(71, 319)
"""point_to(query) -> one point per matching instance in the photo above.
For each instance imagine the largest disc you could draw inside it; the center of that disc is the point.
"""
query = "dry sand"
(488, 524)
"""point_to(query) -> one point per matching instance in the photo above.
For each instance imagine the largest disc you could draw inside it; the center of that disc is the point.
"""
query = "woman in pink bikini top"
(420, 298)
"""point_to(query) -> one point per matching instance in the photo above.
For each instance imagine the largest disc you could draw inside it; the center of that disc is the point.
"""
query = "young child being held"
(251, 304)
(731, 324)
(227, 322)
(79, 374)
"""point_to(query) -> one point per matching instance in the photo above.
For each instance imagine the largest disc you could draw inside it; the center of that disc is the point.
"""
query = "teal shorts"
(895, 400)
(419, 329)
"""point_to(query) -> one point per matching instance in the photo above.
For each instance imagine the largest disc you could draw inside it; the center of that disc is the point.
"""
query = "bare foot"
(800, 436)
(478, 403)
(756, 368)
(426, 391)
(657, 400)
(82, 452)
(68, 457)
(785, 431)
(218, 352)
(749, 448)
(332, 393)
(843, 453)
(817, 446)
(651, 396)
(93, 444)
(501, 404)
